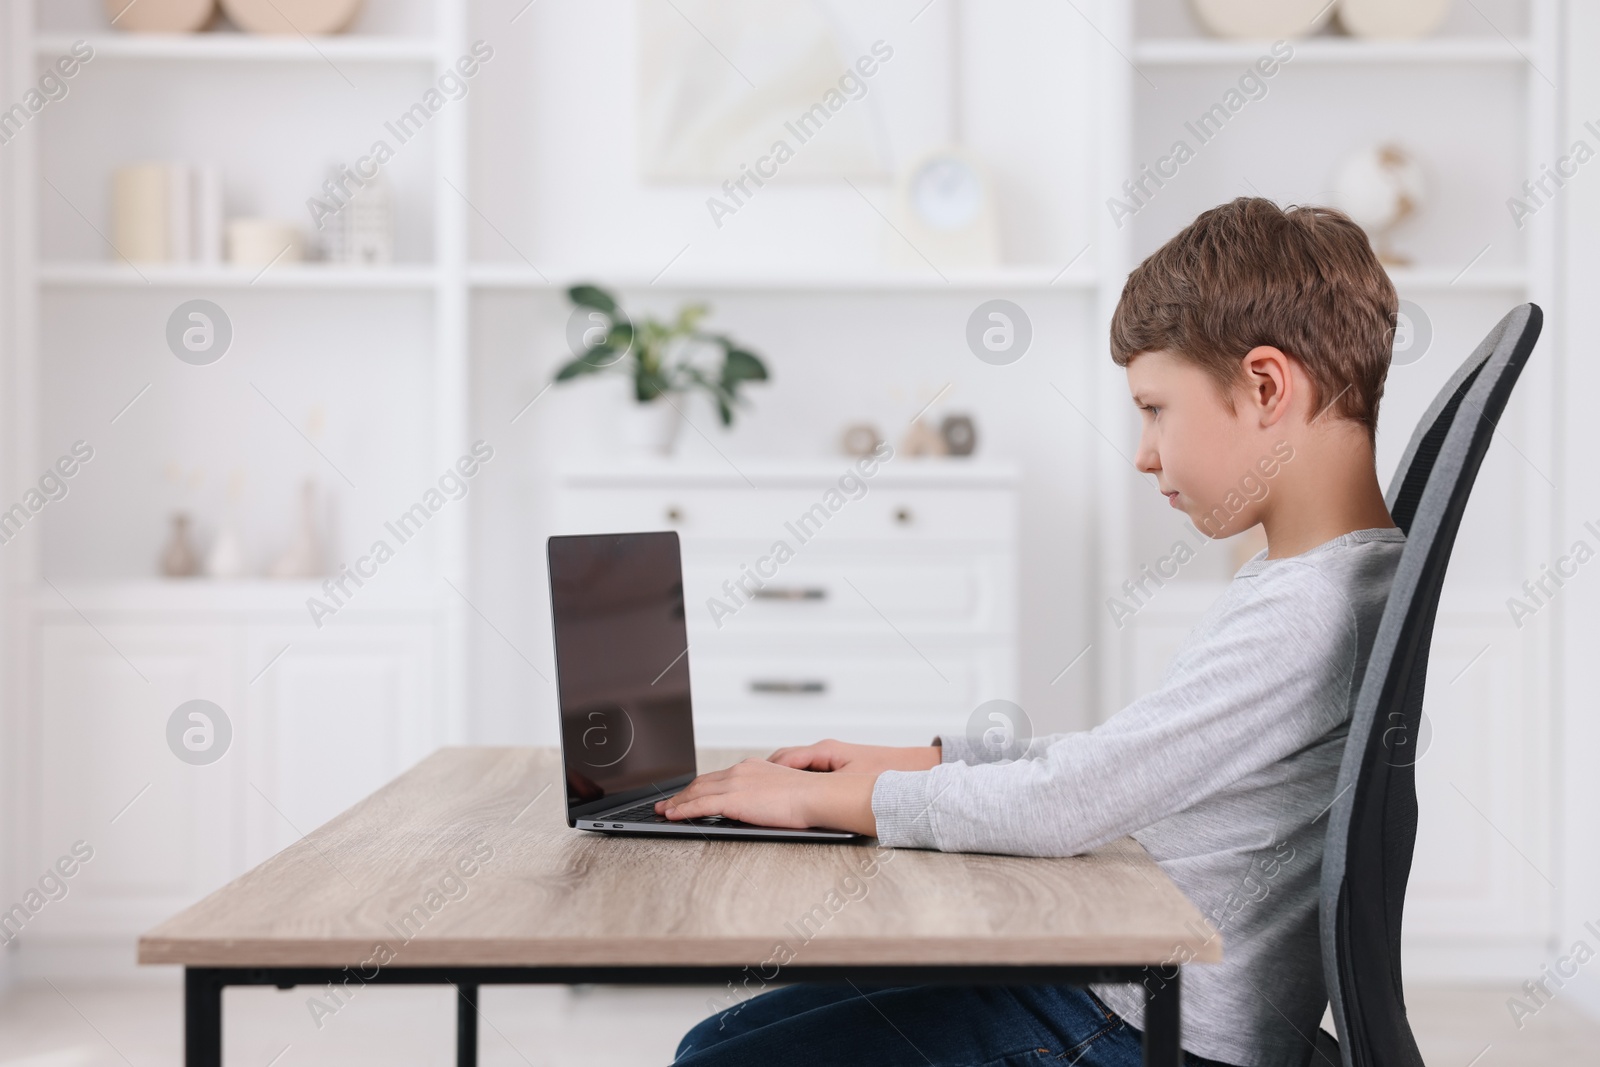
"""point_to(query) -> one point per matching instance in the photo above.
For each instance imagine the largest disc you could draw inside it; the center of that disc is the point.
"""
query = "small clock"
(947, 193)
(945, 209)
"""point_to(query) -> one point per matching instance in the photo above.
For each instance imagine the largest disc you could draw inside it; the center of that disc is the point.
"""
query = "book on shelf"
(167, 213)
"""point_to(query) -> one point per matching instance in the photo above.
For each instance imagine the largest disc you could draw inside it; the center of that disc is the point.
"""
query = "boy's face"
(1197, 450)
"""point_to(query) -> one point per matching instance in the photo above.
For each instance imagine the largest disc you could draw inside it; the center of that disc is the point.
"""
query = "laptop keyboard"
(646, 812)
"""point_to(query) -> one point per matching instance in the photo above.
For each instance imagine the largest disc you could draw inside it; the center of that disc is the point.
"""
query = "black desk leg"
(1162, 1044)
(466, 1025)
(202, 1018)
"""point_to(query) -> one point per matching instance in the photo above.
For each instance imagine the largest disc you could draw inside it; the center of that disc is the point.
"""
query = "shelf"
(1078, 278)
(1201, 51)
(255, 596)
(919, 472)
(242, 46)
(294, 276)
(1472, 280)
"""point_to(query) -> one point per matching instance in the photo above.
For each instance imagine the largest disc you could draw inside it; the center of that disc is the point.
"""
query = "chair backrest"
(1373, 822)
(1411, 477)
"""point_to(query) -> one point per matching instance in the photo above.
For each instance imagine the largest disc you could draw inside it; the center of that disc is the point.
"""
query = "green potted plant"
(666, 360)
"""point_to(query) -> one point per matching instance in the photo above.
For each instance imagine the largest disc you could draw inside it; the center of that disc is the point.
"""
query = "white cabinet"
(887, 614)
(318, 719)
(160, 829)
(331, 722)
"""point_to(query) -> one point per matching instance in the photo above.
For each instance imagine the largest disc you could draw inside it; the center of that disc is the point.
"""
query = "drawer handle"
(674, 513)
(792, 593)
(903, 516)
(775, 686)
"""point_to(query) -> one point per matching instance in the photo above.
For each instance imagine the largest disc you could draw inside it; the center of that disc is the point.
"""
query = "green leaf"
(592, 296)
(648, 385)
(579, 366)
(740, 365)
(725, 411)
(689, 317)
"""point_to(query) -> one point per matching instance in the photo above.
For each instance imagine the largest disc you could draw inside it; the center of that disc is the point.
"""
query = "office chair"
(1372, 826)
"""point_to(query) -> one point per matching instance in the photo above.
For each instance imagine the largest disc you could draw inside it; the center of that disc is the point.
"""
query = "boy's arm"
(1265, 683)
(958, 748)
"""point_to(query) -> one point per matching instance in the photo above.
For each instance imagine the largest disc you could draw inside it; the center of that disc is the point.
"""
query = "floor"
(135, 1026)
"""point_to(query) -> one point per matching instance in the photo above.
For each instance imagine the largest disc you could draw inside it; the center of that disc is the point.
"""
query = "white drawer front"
(796, 517)
(849, 593)
(874, 692)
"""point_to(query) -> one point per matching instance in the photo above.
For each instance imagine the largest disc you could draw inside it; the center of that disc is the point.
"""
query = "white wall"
(1579, 632)
(8, 255)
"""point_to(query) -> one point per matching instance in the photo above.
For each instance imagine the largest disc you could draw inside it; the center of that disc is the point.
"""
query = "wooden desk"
(462, 871)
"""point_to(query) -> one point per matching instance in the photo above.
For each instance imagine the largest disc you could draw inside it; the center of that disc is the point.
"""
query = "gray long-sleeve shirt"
(1224, 774)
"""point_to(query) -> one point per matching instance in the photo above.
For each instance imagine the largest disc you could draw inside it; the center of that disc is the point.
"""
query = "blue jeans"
(840, 1025)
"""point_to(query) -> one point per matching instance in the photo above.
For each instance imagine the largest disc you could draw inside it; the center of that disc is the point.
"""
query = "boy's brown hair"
(1249, 273)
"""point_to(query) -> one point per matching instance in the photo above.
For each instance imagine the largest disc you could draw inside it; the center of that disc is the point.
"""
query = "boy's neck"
(1334, 492)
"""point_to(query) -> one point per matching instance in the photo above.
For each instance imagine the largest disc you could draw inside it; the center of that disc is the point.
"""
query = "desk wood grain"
(392, 870)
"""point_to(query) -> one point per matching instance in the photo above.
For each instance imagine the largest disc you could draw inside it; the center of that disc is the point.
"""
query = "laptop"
(622, 673)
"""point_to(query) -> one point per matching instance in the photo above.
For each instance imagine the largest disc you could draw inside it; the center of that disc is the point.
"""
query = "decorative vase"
(652, 428)
(304, 558)
(179, 558)
(226, 559)
(920, 439)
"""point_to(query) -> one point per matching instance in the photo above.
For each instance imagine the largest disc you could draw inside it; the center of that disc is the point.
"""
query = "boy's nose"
(1146, 458)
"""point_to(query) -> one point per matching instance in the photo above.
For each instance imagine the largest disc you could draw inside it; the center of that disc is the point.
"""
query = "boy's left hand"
(768, 794)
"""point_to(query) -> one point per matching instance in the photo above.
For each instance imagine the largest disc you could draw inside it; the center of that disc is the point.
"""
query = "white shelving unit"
(88, 654)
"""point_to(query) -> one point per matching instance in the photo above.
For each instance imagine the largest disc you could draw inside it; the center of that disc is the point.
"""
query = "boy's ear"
(1268, 382)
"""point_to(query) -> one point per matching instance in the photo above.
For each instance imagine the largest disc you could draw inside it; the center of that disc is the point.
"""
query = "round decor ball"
(310, 17)
(160, 16)
(1379, 186)
(1262, 19)
(1392, 19)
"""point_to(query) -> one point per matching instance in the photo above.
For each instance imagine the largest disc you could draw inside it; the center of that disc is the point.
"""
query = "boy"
(1256, 343)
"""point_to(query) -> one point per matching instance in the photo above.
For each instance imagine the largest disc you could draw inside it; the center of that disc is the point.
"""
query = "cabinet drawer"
(796, 517)
(878, 682)
(874, 695)
(856, 593)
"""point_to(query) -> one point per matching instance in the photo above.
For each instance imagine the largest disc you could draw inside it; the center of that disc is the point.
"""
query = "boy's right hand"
(840, 756)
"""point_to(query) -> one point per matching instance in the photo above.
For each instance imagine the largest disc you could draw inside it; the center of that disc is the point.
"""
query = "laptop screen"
(622, 666)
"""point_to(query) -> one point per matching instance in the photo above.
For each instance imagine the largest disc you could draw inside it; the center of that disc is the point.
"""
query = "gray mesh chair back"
(1373, 822)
